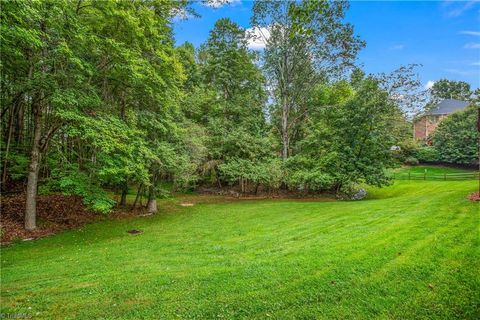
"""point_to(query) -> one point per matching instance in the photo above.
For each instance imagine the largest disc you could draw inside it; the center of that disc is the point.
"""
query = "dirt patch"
(475, 196)
(54, 213)
(186, 204)
(134, 231)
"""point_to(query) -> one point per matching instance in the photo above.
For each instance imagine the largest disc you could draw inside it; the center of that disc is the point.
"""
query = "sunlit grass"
(409, 251)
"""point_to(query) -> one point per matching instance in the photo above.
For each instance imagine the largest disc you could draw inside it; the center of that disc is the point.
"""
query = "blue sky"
(443, 36)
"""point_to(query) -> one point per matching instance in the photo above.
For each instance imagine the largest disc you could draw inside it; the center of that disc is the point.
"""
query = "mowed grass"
(410, 251)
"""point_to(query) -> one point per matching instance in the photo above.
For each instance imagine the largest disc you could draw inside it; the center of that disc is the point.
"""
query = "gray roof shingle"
(447, 106)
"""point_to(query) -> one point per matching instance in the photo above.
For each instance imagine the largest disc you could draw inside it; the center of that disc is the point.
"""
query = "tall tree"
(65, 69)
(54, 80)
(235, 118)
(456, 137)
(449, 89)
(348, 140)
(305, 42)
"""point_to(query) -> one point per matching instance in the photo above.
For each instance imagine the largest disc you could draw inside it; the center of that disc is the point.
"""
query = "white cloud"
(429, 84)
(219, 3)
(472, 45)
(257, 38)
(457, 8)
(471, 33)
(397, 47)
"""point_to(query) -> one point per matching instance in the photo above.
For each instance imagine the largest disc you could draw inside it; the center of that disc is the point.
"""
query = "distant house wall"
(426, 125)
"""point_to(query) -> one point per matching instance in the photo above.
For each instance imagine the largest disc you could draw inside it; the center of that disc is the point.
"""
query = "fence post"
(445, 176)
(409, 176)
(424, 176)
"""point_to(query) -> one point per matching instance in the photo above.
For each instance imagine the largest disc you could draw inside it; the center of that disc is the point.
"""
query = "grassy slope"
(256, 259)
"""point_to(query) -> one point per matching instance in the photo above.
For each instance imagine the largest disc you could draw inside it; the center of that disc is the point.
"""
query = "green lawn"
(411, 251)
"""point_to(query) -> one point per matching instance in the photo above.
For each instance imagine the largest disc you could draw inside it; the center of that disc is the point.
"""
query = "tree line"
(96, 96)
(456, 139)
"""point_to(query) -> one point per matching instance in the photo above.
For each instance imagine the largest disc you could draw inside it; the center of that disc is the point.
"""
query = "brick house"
(425, 124)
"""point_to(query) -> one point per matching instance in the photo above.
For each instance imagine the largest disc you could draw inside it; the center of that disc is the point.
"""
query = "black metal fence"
(436, 176)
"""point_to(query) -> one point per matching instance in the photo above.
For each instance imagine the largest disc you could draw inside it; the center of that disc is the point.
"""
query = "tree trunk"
(9, 138)
(33, 169)
(18, 137)
(123, 199)
(285, 137)
(36, 153)
(139, 193)
(152, 200)
(142, 195)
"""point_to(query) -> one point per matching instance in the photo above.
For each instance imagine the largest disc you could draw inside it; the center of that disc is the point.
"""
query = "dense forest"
(97, 97)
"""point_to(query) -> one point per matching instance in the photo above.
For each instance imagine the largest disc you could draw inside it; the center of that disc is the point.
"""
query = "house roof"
(447, 106)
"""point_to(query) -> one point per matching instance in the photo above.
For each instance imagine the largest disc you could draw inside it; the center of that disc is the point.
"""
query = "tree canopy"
(456, 138)
(449, 89)
(98, 99)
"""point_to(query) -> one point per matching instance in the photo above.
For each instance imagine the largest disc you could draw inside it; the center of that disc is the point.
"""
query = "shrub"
(234, 170)
(93, 196)
(456, 137)
(411, 161)
(310, 180)
(428, 154)
(71, 181)
(267, 172)
(351, 191)
(408, 148)
(17, 165)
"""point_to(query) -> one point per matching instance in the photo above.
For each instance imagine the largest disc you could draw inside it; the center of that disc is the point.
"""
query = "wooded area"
(97, 97)
(260, 172)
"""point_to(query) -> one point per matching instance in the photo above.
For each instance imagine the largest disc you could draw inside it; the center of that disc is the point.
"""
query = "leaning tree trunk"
(139, 194)
(9, 138)
(33, 169)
